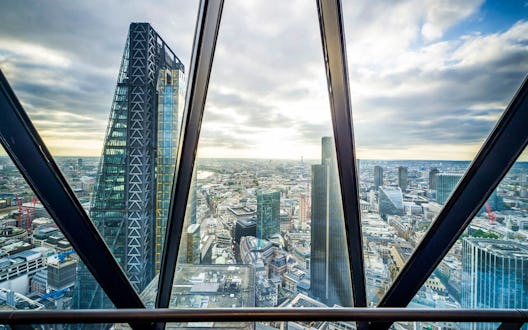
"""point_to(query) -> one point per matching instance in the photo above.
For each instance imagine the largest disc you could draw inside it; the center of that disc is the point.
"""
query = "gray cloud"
(409, 87)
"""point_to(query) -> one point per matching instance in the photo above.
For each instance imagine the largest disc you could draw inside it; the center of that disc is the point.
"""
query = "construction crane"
(55, 294)
(62, 256)
(491, 215)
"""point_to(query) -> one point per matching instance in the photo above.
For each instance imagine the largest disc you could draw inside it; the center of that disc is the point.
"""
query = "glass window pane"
(107, 98)
(488, 265)
(38, 266)
(264, 223)
(428, 83)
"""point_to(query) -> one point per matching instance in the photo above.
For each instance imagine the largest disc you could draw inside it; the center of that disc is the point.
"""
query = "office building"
(245, 227)
(268, 214)
(432, 178)
(494, 275)
(131, 197)
(193, 244)
(445, 184)
(390, 201)
(61, 273)
(378, 176)
(402, 178)
(330, 274)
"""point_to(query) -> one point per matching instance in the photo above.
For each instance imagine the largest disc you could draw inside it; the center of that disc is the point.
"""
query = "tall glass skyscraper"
(131, 197)
(329, 270)
(445, 184)
(403, 178)
(268, 214)
(495, 275)
(378, 176)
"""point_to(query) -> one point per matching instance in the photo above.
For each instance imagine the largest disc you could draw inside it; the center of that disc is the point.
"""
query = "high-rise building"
(445, 184)
(402, 178)
(131, 197)
(390, 201)
(193, 244)
(330, 273)
(245, 227)
(378, 176)
(268, 214)
(494, 275)
(432, 178)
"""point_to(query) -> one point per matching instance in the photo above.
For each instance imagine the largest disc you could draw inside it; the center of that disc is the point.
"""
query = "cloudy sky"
(429, 78)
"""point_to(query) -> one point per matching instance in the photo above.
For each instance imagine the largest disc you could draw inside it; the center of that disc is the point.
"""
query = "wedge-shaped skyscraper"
(329, 267)
(131, 197)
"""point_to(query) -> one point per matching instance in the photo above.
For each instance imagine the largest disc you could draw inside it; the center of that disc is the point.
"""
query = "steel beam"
(498, 154)
(208, 23)
(29, 153)
(334, 51)
(262, 315)
(510, 326)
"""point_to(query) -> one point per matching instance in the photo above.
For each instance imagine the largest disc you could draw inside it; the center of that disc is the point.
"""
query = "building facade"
(403, 180)
(131, 197)
(494, 275)
(268, 214)
(445, 184)
(329, 270)
(378, 176)
(390, 201)
(432, 178)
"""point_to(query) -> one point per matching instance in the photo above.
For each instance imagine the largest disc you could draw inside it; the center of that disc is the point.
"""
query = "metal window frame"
(206, 33)
(36, 164)
(503, 146)
(509, 316)
(335, 59)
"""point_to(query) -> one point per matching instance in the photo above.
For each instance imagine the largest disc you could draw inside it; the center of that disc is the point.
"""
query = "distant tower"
(445, 184)
(131, 196)
(432, 178)
(329, 270)
(494, 275)
(402, 178)
(268, 214)
(378, 176)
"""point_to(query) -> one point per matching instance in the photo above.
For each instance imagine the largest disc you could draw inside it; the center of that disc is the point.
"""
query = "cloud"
(420, 81)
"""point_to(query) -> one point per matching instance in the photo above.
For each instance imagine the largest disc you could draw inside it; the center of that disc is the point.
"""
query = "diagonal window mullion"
(208, 22)
(498, 154)
(333, 41)
(29, 153)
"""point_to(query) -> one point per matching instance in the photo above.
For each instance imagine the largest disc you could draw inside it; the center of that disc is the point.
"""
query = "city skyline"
(432, 96)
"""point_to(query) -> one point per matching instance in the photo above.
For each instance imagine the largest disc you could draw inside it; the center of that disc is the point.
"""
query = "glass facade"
(131, 196)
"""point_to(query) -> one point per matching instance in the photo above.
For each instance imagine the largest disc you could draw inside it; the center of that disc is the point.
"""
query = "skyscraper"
(268, 214)
(432, 178)
(494, 275)
(193, 244)
(131, 197)
(329, 270)
(402, 178)
(445, 184)
(378, 176)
